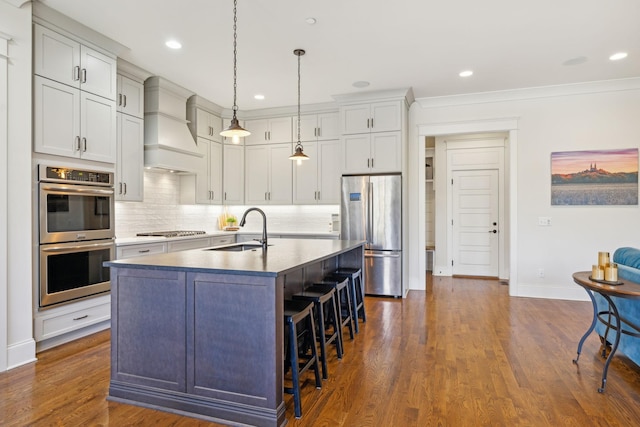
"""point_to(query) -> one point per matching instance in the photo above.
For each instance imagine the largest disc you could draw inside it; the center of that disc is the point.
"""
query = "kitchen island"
(200, 332)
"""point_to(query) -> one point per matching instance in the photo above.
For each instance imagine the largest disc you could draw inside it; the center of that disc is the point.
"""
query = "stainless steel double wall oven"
(77, 233)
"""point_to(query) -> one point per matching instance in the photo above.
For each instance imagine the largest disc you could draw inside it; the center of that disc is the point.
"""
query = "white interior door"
(475, 225)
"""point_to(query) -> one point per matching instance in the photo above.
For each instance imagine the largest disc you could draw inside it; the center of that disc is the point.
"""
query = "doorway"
(443, 255)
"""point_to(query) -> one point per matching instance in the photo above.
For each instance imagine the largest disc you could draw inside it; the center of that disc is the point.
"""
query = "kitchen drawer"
(223, 240)
(183, 245)
(60, 322)
(131, 251)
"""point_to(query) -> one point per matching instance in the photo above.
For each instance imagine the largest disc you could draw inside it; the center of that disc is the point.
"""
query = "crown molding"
(17, 3)
(531, 93)
(379, 95)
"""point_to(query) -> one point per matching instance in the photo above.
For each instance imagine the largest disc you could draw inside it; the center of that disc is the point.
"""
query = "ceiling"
(422, 44)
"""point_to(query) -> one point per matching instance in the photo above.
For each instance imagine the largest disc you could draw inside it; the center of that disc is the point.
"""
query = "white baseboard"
(572, 293)
(21, 353)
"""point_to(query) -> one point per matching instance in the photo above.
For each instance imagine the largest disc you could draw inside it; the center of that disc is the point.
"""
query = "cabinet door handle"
(368, 120)
(269, 195)
(77, 143)
(144, 251)
(76, 73)
(265, 195)
(84, 75)
(372, 123)
(318, 195)
(81, 317)
(125, 188)
(372, 163)
(368, 161)
(120, 188)
(125, 100)
(266, 138)
(225, 195)
(120, 99)
(84, 145)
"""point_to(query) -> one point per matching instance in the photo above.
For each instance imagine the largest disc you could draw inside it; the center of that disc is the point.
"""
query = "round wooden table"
(627, 289)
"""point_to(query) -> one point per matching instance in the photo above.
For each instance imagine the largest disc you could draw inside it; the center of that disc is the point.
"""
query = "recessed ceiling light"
(311, 20)
(360, 84)
(575, 61)
(258, 96)
(466, 73)
(173, 44)
(618, 56)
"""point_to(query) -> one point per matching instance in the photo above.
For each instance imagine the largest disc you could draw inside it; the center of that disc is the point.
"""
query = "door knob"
(493, 231)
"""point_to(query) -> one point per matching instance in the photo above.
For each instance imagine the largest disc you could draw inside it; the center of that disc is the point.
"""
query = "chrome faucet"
(263, 241)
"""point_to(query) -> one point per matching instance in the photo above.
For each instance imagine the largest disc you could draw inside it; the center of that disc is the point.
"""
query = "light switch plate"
(544, 221)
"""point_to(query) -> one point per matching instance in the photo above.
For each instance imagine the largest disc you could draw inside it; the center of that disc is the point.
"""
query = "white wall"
(20, 345)
(601, 115)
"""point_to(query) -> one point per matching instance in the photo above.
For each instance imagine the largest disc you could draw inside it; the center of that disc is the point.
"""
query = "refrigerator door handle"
(391, 255)
(370, 212)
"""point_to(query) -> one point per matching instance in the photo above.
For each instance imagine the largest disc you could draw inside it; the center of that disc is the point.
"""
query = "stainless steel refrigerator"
(371, 210)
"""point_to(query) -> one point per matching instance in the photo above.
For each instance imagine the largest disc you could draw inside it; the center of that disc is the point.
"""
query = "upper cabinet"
(74, 111)
(233, 174)
(204, 119)
(73, 123)
(268, 178)
(64, 60)
(130, 97)
(268, 131)
(317, 127)
(372, 117)
(317, 180)
(372, 153)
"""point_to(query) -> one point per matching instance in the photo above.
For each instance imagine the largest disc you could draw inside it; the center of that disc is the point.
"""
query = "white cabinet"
(130, 97)
(184, 245)
(222, 240)
(317, 180)
(142, 249)
(130, 159)
(372, 153)
(205, 187)
(275, 130)
(233, 174)
(372, 117)
(268, 174)
(206, 125)
(64, 60)
(317, 127)
(72, 123)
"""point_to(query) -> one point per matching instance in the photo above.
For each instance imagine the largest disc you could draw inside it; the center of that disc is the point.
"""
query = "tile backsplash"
(161, 211)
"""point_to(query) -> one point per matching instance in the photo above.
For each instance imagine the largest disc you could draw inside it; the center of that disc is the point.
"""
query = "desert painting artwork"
(595, 177)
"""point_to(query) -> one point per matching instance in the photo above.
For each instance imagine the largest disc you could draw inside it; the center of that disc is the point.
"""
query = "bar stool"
(296, 312)
(343, 296)
(323, 297)
(357, 292)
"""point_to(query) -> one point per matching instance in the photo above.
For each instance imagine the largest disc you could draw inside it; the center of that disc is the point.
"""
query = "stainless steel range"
(173, 233)
(76, 233)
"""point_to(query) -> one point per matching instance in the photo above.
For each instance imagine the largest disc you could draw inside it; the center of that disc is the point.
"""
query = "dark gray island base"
(200, 332)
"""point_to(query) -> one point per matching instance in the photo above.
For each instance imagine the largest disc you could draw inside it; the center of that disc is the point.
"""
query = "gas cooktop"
(173, 233)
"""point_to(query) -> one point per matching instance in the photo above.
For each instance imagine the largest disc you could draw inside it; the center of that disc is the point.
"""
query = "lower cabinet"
(185, 245)
(62, 324)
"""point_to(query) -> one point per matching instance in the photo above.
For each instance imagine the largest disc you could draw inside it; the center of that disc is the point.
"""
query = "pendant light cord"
(299, 99)
(235, 54)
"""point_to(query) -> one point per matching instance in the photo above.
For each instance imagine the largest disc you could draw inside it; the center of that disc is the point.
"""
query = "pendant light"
(235, 131)
(299, 155)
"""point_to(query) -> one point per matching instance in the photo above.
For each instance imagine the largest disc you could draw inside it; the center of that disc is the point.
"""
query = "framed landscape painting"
(595, 177)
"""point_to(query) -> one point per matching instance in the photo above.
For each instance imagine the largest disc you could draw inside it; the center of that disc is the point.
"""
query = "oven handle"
(66, 189)
(47, 248)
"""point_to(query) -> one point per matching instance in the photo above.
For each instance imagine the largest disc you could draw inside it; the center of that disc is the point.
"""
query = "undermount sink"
(237, 247)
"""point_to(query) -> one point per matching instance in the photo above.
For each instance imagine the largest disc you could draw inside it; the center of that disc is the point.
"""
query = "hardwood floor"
(462, 354)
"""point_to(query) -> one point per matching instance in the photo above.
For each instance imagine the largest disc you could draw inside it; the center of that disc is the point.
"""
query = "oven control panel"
(68, 175)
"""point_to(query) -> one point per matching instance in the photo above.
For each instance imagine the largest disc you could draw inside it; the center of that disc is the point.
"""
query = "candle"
(611, 273)
(603, 259)
(597, 272)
